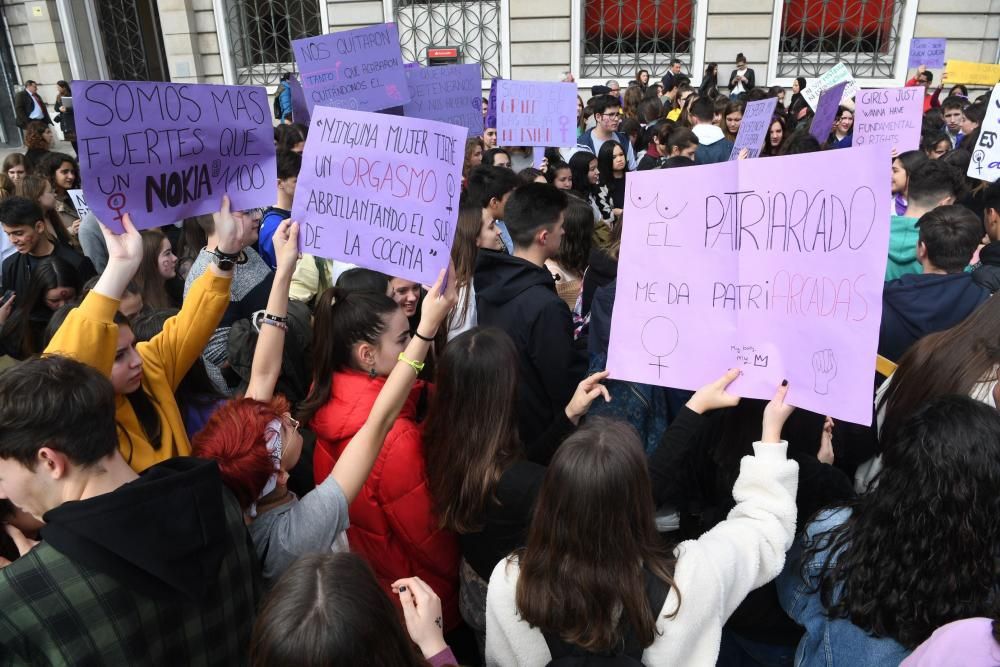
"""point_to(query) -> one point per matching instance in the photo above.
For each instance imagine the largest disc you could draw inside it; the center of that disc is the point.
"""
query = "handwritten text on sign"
(928, 52)
(831, 78)
(985, 164)
(754, 127)
(449, 94)
(167, 151)
(353, 69)
(889, 117)
(536, 113)
(381, 191)
(770, 266)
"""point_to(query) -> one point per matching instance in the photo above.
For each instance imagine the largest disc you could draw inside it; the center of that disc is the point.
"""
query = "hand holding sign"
(230, 228)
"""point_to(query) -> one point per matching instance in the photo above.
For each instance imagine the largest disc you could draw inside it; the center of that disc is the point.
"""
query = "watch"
(225, 261)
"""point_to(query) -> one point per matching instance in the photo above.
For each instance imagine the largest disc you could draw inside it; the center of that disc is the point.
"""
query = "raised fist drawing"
(825, 369)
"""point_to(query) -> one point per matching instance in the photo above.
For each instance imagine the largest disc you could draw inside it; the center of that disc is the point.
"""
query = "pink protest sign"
(889, 117)
(353, 69)
(826, 112)
(380, 191)
(754, 127)
(770, 266)
(162, 152)
(536, 113)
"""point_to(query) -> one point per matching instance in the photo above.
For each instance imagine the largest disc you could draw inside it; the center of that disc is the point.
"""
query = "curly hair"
(236, 438)
(34, 136)
(921, 549)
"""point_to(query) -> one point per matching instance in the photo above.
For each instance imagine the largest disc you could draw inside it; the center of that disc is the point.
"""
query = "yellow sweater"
(90, 335)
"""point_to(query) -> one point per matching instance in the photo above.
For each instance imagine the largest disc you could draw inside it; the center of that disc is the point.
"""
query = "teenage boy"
(490, 188)
(607, 114)
(713, 146)
(932, 184)
(289, 164)
(670, 78)
(132, 569)
(24, 224)
(942, 295)
(924, 78)
(517, 293)
(952, 110)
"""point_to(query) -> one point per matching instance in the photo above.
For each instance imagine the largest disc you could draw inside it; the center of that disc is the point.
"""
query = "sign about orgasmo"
(380, 191)
(769, 266)
(162, 152)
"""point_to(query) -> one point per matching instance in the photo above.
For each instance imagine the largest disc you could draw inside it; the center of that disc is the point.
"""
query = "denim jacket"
(828, 642)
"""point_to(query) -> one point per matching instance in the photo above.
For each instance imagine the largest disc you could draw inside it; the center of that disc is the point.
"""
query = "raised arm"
(267, 356)
(359, 456)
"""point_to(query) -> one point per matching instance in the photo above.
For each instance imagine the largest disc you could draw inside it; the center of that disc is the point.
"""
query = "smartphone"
(6, 297)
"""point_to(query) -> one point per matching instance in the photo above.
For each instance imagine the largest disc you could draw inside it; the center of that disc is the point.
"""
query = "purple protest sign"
(450, 94)
(826, 112)
(889, 117)
(928, 52)
(300, 108)
(380, 191)
(353, 69)
(167, 151)
(769, 266)
(536, 113)
(491, 107)
(754, 127)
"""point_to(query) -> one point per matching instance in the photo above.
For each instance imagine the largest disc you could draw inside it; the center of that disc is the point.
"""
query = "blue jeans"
(737, 651)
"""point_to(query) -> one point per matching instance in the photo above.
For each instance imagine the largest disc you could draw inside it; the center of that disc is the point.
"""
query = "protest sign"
(961, 71)
(353, 69)
(167, 151)
(826, 111)
(79, 202)
(889, 116)
(754, 127)
(491, 106)
(380, 191)
(928, 52)
(536, 113)
(300, 108)
(830, 78)
(771, 266)
(450, 94)
(985, 164)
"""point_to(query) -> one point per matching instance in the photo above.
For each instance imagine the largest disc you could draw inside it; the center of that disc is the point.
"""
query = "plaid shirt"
(56, 612)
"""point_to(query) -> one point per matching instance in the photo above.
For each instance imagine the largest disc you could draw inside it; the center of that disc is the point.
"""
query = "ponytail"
(341, 319)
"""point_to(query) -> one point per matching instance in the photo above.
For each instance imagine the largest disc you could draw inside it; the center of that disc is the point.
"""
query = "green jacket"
(903, 237)
(158, 572)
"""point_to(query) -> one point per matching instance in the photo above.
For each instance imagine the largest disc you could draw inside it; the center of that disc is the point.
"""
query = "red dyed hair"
(235, 437)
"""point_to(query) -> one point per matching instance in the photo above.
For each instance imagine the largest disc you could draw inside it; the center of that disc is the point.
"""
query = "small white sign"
(985, 164)
(831, 78)
(79, 202)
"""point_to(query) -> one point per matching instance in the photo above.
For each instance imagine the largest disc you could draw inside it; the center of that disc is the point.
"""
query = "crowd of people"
(217, 450)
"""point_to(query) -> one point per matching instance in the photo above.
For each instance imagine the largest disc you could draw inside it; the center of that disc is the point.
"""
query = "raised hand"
(586, 393)
(286, 245)
(825, 454)
(126, 248)
(422, 613)
(714, 395)
(776, 413)
(230, 228)
(438, 302)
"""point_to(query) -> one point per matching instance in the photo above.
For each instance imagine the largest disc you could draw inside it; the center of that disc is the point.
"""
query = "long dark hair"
(341, 319)
(920, 549)
(768, 148)
(464, 251)
(328, 609)
(577, 240)
(953, 361)
(579, 165)
(596, 499)
(27, 324)
(605, 160)
(471, 428)
(151, 282)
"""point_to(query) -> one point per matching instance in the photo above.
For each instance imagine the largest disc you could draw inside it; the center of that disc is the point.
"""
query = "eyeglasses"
(610, 116)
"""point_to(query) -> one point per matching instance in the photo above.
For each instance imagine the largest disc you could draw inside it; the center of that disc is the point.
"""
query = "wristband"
(423, 338)
(271, 317)
(274, 323)
(417, 366)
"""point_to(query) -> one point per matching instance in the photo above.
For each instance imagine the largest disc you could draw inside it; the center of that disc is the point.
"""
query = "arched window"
(261, 34)
(623, 36)
(863, 34)
(473, 26)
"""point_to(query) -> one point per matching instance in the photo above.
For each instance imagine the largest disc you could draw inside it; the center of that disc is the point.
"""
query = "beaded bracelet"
(417, 366)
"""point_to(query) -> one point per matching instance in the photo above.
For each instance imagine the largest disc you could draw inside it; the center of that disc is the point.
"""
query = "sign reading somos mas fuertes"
(380, 191)
(770, 266)
(163, 152)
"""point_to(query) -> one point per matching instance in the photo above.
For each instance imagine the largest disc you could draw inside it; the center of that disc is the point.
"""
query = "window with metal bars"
(473, 27)
(621, 37)
(261, 34)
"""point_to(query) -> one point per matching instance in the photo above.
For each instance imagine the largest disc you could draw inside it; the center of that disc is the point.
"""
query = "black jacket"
(16, 272)
(749, 85)
(987, 273)
(24, 105)
(520, 298)
(603, 269)
(921, 303)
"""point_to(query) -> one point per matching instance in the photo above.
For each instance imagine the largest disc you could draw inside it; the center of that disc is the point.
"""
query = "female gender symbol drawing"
(659, 339)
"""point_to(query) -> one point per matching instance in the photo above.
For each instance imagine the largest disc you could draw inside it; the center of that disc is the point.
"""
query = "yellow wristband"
(417, 366)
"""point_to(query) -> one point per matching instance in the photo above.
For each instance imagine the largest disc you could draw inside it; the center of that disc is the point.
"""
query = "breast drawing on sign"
(659, 338)
(667, 210)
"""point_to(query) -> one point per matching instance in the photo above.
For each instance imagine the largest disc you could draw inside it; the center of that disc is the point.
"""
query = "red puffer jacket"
(392, 522)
